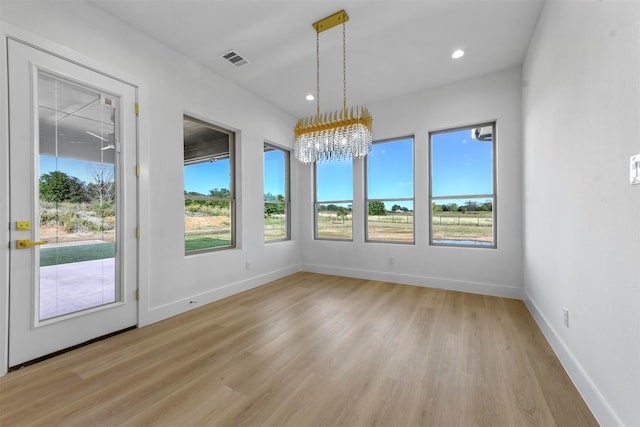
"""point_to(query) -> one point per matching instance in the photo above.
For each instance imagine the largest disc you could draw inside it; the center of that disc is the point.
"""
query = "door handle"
(26, 244)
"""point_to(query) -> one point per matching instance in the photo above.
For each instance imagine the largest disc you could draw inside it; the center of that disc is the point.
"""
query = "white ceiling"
(393, 47)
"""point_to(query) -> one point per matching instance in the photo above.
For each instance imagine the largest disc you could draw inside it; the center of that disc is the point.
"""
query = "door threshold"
(68, 349)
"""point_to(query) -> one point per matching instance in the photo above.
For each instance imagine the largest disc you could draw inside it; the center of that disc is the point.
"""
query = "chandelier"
(337, 135)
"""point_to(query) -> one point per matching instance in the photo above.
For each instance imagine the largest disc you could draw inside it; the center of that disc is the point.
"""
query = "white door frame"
(9, 31)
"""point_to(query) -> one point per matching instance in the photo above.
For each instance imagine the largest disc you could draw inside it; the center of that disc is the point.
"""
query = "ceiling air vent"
(234, 58)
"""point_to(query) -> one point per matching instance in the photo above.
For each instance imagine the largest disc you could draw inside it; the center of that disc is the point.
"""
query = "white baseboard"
(424, 281)
(165, 311)
(587, 389)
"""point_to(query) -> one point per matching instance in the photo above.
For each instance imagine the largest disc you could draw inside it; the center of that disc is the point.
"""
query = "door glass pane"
(77, 197)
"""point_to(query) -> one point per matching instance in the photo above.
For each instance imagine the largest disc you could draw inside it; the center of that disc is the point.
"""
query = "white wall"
(4, 213)
(582, 222)
(169, 85)
(490, 271)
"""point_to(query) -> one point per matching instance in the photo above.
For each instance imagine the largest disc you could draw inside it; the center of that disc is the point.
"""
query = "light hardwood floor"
(311, 350)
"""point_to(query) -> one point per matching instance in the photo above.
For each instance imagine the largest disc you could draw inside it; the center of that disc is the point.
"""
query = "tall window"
(463, 195)
(334, 197)
(390, 192)
(209, 195)
(276, 194)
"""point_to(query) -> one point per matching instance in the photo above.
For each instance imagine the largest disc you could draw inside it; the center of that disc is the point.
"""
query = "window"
(463, 196)
(276, 194)
(334, 196)
(389, 171)
(209, 196)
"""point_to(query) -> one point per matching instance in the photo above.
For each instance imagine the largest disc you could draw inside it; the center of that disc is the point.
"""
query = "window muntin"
(334, 197)
(462, 194)
(389, 192)
(209, 194)
(276, 194)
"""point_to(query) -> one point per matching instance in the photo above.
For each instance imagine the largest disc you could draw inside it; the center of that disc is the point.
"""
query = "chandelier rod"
(318, 76)
(344, 70)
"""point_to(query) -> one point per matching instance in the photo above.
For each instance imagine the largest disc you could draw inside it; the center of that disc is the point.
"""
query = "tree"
(270, 197)
(396, 208)
(471, 205)
(222, 193)
(377, 208)
(102, 188)
(342, 212)
(57, 186)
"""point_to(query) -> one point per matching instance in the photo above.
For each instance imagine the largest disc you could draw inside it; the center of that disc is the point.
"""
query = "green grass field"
(454, 226)
(79, 253)
(76, 253)
(198, 242)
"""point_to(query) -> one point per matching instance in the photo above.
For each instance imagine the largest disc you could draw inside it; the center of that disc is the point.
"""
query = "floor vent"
(234, 58)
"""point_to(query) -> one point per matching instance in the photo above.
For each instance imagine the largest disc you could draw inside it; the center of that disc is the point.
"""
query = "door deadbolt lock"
(23, 225)
(26, 244)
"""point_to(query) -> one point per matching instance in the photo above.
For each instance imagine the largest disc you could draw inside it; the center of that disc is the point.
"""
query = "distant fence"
(463, 220)
(407, 218)
(400, 217)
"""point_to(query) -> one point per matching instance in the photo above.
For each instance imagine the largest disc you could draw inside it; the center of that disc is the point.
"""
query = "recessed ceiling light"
(459, 53)
(309, 97)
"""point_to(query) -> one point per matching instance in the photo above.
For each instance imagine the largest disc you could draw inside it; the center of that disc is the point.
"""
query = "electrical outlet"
(247, 265)
(634, 169)
(565, 314)
(391, 260)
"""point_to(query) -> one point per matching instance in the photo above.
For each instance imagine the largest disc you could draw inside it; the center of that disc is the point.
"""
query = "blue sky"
(335, 180)
(461, 165)
(203, 177)
(389, 174)
(274, 164)
(80, 169)
(390, 170)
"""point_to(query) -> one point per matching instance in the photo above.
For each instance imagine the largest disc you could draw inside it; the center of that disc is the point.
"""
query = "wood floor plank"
(311, 350)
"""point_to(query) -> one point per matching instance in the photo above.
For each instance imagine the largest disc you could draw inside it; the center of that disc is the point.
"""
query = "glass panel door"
(77, 197)
(72, 203)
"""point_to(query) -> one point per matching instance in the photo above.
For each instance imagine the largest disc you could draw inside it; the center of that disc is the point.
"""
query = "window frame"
(492, 196)
(287, 190)
(316, 203)
(367, 200)
(232, 190)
